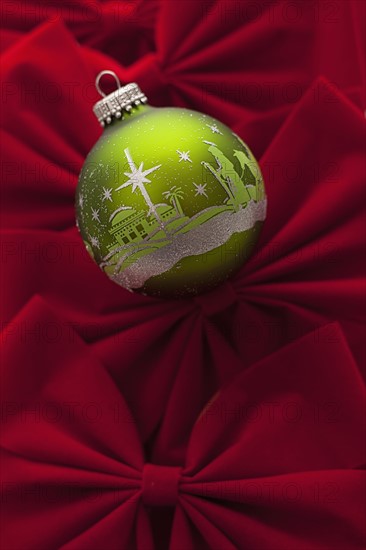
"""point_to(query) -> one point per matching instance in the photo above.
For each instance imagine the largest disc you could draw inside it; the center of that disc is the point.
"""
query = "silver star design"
(137, 176)
(107, 194)
(95, 215)
(200, 189)
(81, 201)
(183, 155)
(214, 129)
(95, 242)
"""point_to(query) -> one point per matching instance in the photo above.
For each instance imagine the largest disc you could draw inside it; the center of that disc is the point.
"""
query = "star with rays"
(81, 201)
(95, 215)
(107, 194)
(137, 179)
(200, 189)
(183, 155)
(137, 176)
(214, 129)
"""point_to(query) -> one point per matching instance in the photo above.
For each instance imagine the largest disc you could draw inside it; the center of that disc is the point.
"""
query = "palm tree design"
(137, 178)
(175, 195)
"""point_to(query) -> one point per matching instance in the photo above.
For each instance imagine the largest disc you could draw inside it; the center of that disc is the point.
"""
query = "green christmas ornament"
(170, 202)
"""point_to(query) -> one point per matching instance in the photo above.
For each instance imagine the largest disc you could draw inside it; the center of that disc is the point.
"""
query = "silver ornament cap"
(122, 100)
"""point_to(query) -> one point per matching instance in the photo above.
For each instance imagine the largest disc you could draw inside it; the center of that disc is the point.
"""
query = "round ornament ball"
(170, 202)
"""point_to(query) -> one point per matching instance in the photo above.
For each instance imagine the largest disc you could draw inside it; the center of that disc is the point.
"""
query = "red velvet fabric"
(233, 420)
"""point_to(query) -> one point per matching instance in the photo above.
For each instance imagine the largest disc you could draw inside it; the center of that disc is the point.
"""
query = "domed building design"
(132, 226)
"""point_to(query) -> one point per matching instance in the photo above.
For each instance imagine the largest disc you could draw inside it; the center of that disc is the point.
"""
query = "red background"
(251, 397)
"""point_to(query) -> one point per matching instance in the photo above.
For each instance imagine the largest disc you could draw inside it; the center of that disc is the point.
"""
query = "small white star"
(214, 129)
(107, 194)
(200, 189)
(95, 215)
(95, 242)
(183, 155)
(81, 201)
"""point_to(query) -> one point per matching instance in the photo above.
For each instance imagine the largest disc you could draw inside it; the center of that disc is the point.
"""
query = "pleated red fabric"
(233, 420)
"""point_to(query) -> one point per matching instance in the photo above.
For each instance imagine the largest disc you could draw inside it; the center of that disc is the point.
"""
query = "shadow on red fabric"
(233, 420)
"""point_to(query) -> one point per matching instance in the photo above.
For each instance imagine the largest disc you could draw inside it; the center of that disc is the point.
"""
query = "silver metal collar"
(121, 100)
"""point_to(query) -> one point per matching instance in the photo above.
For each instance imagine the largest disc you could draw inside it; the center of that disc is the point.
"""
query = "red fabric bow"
(283, 338)
(273, 452)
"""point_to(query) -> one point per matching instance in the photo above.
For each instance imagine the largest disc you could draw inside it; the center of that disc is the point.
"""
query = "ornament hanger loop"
(100, 75)
(122, 100)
